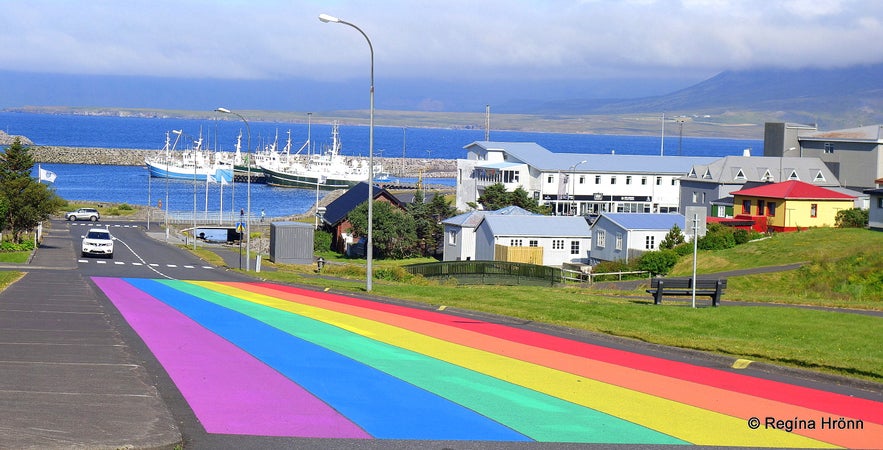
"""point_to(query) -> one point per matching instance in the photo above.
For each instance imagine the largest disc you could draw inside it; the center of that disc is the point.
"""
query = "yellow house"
(790, 205)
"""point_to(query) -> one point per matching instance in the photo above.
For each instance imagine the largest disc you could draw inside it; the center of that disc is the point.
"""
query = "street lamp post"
(247, 188)
(369, 250)
(573, 185)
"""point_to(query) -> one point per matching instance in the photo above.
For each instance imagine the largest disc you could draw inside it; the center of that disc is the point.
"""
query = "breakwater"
(400, 167)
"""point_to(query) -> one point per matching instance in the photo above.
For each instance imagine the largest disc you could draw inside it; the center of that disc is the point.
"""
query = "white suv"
(99, 242)
(83, 214)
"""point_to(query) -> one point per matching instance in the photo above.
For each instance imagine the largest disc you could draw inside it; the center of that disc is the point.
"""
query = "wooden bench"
(713, 288)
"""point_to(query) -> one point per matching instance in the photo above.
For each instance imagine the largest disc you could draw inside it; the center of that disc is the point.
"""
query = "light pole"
(573, 185)
(369, 251)
(247, 188)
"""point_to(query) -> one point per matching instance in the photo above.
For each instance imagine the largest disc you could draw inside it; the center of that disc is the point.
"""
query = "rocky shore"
(397, 167)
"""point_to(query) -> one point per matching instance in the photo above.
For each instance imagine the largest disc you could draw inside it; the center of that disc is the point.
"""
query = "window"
(760, 207)
(582, 179)
(452, 238)
(533, 243)
(619, 241)
(814, 210)
(703, 198)
(612, 180)
(819, 178)
(746, 206)
(650, 242)
(695, 196)
(658, 181)
(574, 247)
(880, 202)
(643, 181)
(600, 238)
(628, 179)
(793, 175)
(557, 244)
(771, 209)
(829, 148)
(549, 179)
(515, 242)
(597, 179)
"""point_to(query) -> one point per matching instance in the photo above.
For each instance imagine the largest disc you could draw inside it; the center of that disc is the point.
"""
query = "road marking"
(741, 363)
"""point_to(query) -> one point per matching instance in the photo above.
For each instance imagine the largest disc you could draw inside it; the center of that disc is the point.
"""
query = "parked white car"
(90, 214)
(98, 242)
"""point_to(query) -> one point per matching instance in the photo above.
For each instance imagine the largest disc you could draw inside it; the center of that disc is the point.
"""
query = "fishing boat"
(191, 164)
(245, 165)
(326, 170)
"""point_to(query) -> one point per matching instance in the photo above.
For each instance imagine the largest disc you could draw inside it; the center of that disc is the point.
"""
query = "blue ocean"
(124, 184)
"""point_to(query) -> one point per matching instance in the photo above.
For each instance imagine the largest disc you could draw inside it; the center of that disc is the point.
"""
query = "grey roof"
(539, 157)
(473, 218)
(646, 221)
(741, 169)
(537, 225)
(866, 133)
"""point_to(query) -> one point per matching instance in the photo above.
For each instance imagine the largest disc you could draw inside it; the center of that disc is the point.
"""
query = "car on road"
(98, 242)
(83, 214)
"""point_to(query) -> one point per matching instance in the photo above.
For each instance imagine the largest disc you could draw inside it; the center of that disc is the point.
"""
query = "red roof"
(795, 190)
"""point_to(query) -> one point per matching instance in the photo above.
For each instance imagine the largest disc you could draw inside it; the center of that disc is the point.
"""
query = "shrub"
(9, 246)
(852, 218)
(321, 241)
(684, 249)
(658, 262)
(741, 236)
(718, 237)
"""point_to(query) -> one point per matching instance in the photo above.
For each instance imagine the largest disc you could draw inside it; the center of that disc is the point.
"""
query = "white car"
(99, 242)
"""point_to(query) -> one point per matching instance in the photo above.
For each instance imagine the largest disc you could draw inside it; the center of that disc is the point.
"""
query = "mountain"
(832, 98)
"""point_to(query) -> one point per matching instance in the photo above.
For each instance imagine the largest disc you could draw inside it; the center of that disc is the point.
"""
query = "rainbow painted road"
(273, 360)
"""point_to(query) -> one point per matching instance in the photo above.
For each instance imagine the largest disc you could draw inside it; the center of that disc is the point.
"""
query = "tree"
(674, 238)
(394, 232)
(496, 196)
(427, 219)
(28, 202)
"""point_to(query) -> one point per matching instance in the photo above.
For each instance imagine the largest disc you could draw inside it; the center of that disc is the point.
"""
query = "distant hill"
(832, 98)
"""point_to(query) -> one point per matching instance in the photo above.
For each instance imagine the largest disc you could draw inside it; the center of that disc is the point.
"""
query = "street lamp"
(573, 185)
(369, 251)
(247, 189)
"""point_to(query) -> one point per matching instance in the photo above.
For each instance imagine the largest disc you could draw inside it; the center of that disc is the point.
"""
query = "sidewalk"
(69, 378)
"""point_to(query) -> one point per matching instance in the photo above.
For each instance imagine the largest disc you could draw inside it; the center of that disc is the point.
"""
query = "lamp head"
(326, 18)
(222, 110)
(178, 132)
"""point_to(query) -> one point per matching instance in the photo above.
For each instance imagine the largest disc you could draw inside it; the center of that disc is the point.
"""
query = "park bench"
(713, 288)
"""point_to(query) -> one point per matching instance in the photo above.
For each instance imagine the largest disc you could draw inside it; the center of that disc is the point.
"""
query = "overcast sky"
(445, 40)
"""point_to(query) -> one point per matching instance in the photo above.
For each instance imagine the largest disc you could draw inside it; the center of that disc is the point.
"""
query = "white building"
(560, 239)
(622, 237)
(459, 244)
(574, 183)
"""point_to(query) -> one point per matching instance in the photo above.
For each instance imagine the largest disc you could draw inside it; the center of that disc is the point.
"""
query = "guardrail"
(489, 272)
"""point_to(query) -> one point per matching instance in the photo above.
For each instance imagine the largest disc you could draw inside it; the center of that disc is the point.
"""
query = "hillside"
(832, 98)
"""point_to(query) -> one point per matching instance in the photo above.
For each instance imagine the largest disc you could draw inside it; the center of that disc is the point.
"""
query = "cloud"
(434, 39)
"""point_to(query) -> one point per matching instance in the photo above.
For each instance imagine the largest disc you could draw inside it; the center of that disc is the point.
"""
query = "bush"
(321, 241)
(8, 246)
(718, 237)
(684, 249)
(658, 262)
(852, 218)
(741, 236)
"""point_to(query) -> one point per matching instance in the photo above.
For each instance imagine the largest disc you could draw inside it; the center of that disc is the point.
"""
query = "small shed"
(291, 242)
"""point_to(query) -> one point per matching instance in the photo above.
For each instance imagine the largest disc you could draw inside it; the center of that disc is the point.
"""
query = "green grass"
(7, 278)
(14, 257)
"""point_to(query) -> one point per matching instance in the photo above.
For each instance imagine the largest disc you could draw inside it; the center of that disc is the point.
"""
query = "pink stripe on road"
(229, 390)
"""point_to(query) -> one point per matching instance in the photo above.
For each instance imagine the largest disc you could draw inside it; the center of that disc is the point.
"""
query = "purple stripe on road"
(230, 391)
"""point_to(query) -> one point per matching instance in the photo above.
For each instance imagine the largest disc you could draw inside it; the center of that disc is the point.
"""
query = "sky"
(428, 54)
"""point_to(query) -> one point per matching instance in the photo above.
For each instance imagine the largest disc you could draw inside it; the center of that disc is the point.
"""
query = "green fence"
(489, 272)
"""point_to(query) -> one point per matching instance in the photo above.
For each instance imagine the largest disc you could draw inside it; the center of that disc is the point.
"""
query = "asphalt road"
(135, 351)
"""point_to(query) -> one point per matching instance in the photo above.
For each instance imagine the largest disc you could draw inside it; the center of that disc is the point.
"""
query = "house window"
(582, 179)
(658, 181)
(793, 176)
(452, 238)
(695, 196)
(628, 179)
(612, 180)
(574, 247)
(549, 179)
(703, 198)
(829, 147)
(880, 202)
(814, 210)
(650, 242)
(760, 207)
(533, 243)
(643, 181)
(674, 181)
(600, 238)
(619, 241)
(771, 209)
(558, 244)
(515, 242)
(597, 179)
(746, 206)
